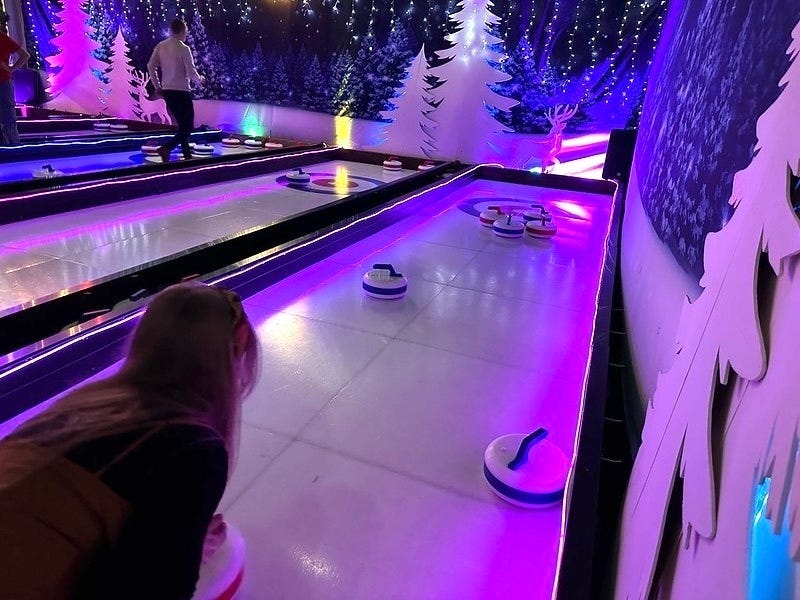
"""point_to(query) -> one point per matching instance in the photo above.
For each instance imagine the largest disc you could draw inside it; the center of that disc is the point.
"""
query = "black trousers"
(180, 106)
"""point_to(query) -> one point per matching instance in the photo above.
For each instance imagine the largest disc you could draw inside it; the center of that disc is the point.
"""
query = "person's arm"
(191, 69)
(22, 55)
(152, 69)
(162, 545)
(22, 59)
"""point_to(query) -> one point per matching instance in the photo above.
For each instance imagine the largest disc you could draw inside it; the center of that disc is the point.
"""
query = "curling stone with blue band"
(383, 282)
(537, 212)
(508, 228)
(526, 470)
(298, 177)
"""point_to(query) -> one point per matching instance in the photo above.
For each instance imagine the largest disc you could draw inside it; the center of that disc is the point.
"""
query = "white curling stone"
(119, 127)
(45, 174)
(205, 149)
(231, 142)
(392, 165)
(502, 228)
(102, 125)
(381, 284)
(298, 178)
(250, 143)
(273, 145)
(426, 166)
(539, 482)
(149, 150)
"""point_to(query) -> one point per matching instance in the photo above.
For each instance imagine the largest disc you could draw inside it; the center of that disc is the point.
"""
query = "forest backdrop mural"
(355, 57)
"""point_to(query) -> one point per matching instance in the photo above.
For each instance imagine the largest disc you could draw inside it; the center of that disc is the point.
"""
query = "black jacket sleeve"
(161, 547)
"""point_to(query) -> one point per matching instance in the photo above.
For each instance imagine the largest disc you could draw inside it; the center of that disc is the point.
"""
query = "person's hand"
(215, 537)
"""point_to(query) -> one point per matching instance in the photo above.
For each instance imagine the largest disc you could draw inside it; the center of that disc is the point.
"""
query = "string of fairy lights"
(575, 37)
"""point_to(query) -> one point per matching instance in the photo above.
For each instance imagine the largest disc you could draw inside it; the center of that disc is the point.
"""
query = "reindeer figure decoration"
(149, 108)
(545, 151)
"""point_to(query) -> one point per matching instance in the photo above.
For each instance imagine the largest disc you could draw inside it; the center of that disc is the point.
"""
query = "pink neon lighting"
(576, 443)
(74, 120)
(122, 180)
(153, 136)
(585, 140)
(581, 167)
(348, 226)
(135, 314)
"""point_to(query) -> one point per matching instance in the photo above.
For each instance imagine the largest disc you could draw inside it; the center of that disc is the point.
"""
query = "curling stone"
(541, 228)
(119, 127)
(508, 228)
(298, 177)
(526, 470)
(102, 126)
(383, 282)
(203, 149)
(536, 212)
(490, 215)
(392, 164)
(231, 142)
(273, 145)
(150, 150)
(221, 574)
(426, 166)
(47, 172)
(251, 143)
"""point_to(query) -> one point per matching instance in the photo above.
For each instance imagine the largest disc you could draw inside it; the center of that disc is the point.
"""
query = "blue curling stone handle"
(528, 442)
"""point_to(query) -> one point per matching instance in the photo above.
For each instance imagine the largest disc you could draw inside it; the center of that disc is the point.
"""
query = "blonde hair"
(189, 361)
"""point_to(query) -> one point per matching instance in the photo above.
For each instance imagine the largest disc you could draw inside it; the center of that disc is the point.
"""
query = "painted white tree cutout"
(717, 332)
(120, 100)
(410, 132)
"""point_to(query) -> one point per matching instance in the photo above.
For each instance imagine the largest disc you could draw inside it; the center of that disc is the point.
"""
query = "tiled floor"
(40, 258)
(379, 491)
(359, 473)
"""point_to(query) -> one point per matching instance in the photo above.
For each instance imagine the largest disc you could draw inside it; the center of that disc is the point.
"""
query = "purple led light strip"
(103, 141)
(138, 312)
(121, 180)
(76, 120)
(576, 443)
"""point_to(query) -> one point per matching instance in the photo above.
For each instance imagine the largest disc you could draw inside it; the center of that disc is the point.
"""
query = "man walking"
(8, 113)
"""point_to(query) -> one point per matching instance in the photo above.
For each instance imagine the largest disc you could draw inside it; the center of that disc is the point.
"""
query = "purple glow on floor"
(106, 141)
(140, 178)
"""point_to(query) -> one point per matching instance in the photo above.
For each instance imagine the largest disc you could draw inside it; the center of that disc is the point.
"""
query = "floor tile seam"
(527, 370)
(489, 500)
(419, 312)
(453, 285)
(273, 312)
(262, 470)
(336, 394)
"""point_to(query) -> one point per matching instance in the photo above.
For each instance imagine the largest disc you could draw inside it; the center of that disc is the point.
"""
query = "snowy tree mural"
(102, 27)
(719, 335)
(73, 81)
(316, 90)
(467, 78)
(584, 52)
(411, 130)
(120, 101)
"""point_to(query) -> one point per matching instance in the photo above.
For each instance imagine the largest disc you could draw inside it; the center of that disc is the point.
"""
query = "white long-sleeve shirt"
(174, 58)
